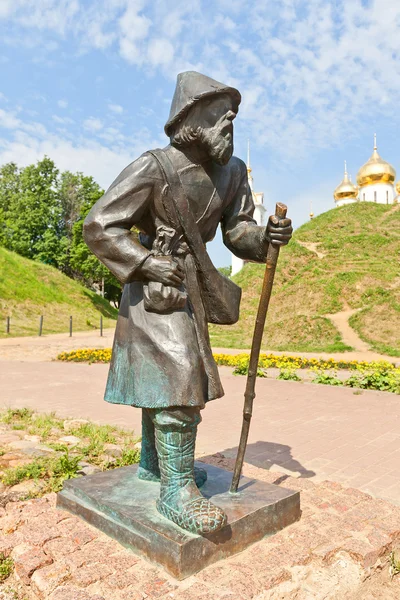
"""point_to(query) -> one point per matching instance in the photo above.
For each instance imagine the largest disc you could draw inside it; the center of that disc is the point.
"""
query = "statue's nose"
(230, 115)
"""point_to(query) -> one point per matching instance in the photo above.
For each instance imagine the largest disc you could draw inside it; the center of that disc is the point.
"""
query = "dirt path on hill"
(349, 336)
(312, 247)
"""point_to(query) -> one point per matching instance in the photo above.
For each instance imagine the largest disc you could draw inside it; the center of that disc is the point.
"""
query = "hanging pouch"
(157, 297)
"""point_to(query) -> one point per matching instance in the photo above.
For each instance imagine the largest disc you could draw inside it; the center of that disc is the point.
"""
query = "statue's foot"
(200, 475)
(197, 516)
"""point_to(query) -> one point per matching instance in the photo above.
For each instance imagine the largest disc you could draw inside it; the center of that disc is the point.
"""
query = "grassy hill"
(357, 267)
(29, 289)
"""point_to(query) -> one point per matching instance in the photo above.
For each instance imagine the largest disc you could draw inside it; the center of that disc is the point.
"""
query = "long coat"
(165, 360)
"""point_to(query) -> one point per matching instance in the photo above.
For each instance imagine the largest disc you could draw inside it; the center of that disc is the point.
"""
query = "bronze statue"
(162, 360)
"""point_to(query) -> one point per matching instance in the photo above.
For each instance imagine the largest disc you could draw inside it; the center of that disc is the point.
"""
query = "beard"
(218, 141)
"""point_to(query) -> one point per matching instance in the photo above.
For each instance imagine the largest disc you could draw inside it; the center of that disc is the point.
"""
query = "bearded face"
(208, 125)
(218, 140)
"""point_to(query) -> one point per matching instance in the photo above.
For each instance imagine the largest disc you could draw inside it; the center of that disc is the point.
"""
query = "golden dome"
(346, 189)
(398, 188)
(375, 170)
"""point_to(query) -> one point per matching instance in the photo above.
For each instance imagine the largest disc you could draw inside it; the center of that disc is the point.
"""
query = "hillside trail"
(312, 247)
(349, 336)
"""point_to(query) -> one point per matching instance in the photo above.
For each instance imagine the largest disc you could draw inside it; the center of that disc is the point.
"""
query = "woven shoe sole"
(198, 516)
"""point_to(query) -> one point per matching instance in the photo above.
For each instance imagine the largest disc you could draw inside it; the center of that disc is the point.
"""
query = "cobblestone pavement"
(343, 537)
(307, 430)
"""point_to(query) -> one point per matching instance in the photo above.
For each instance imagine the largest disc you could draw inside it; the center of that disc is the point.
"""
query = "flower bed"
(280, 361)
(378, 375)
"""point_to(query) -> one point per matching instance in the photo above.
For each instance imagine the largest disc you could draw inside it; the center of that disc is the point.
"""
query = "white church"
(260, 213)
(375, 183)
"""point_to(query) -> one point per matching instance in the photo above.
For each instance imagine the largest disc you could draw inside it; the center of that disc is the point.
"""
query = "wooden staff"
(249, 395)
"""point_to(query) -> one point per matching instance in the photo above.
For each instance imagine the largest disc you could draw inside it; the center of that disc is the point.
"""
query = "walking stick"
(249, 395)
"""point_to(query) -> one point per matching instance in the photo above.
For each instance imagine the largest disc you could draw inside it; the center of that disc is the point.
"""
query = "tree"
(10, 189)
(33, 216)
(77, 194)
(41, 217)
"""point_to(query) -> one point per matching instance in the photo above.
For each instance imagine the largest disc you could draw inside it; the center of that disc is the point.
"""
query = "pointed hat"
(191, 87)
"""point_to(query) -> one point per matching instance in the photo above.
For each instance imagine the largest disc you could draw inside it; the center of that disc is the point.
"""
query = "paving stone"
(46, 580)
(86, 575)
(88, 469)
(33, 438)
(9, 523)
(60, 547)
(22, 444)
(92, 552)
(77, 531)
(27, 560)
(159, 587)
(38, 534)
(27, 487)
(122, 561)
(8, 543)
(70, 440)
(113, 450)
(19, 462)
(70, 592)
(121, 580)
(9, 438)
(361, 551)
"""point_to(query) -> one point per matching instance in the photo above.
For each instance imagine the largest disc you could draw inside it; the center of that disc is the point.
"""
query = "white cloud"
(160, 52)
(29, 141)
(134, 26)
(62, 103)
(116, 108)
(311, 72)
(92, 124)
(8, 120)
(62, 120)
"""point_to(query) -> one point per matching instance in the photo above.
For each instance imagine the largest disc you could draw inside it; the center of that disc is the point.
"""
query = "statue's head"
(202, 113)
(208, 124)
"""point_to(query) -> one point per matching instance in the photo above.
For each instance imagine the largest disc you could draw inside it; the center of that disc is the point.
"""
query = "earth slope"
(29, 289)
(346, 258)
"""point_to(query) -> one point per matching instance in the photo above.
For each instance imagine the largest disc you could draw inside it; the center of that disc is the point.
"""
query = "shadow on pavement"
(267, 454)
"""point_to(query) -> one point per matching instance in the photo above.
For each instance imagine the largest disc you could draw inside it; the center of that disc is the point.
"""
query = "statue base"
(124, 507)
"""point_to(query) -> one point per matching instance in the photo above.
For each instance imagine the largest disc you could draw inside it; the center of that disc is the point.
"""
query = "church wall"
(381, 193)
(260, 214)
(237, 264)
(345, 201)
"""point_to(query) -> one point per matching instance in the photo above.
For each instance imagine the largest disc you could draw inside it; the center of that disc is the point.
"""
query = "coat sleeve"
(240, 232)
(107, 227)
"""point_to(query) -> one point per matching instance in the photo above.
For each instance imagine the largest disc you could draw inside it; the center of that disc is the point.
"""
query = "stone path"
(343, 538)
(312, 431)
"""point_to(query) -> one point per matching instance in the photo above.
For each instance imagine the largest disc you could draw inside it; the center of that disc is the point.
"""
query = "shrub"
(289, 375)
(326, 378)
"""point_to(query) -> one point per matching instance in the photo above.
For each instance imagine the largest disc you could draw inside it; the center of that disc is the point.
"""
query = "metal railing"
(8, 327)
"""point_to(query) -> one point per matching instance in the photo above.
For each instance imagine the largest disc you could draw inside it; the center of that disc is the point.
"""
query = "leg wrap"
(180, 500)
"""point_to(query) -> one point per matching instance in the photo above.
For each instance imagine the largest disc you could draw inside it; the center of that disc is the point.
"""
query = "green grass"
(360, 269)
(54, 469)
(6, 567)
(29, 289)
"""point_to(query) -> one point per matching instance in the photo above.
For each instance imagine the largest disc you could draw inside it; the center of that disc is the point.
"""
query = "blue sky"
(89, 83)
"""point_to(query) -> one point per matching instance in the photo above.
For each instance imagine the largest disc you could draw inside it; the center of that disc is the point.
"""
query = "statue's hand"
(278, 231)
(163, 269)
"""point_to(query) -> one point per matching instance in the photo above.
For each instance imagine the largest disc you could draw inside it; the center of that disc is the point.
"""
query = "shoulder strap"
(178, 211)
